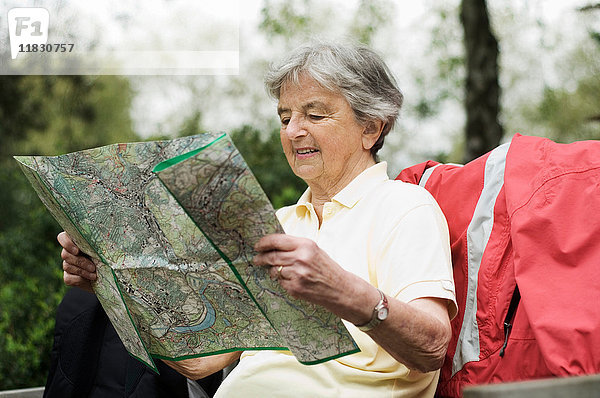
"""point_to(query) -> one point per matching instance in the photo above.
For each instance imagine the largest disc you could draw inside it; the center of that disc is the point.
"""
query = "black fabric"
(89, 360)
(510, 315)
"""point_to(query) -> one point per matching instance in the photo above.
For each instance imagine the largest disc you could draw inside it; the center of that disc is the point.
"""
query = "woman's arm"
(197, 368)
(415, 334)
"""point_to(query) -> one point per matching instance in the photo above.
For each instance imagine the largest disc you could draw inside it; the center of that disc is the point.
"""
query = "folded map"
(171, 226)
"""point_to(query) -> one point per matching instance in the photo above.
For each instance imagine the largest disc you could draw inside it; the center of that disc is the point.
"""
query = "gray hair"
(354, 71)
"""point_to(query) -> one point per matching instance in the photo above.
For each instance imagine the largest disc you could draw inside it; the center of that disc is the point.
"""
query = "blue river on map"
(208, 321)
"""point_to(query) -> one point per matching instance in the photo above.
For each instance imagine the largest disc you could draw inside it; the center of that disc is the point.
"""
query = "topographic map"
(173, 249)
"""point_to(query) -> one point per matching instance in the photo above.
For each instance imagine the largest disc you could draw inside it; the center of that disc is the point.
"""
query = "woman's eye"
(315, 117)
(285, 121)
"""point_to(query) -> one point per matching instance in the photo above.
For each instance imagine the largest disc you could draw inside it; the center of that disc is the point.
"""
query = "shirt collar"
(358, 188)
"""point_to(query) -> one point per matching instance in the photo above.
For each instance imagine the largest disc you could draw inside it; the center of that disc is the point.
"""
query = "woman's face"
(321, 139)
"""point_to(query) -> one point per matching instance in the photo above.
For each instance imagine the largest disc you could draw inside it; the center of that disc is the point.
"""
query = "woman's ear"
(371, 133)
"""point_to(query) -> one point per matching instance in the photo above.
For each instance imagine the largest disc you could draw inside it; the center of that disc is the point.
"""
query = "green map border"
(173, 161)
(165, 164)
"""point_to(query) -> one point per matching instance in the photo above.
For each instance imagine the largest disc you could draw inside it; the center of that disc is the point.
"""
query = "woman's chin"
(307, 172)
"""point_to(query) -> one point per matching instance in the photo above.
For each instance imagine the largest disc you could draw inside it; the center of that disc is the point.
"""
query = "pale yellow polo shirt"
(390, 233)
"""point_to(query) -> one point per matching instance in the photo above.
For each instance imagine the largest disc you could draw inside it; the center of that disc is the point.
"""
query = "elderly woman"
(372, 251)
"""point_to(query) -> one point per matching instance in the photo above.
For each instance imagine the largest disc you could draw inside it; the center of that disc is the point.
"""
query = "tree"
(42, 115)
(570, 113)
(553, 89)
(483, 131)
(595, 35)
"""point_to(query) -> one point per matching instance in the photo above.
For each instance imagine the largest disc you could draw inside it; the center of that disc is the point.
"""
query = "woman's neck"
(322, 193)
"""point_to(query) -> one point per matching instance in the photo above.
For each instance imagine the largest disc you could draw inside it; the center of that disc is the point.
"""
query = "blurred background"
(473, 73)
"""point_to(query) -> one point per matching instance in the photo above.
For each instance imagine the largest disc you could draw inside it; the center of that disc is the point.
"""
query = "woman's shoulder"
(396, 203)
(393, 200)
(398, 193)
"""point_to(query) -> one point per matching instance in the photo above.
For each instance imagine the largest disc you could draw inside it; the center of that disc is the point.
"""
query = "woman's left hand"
(302, 268)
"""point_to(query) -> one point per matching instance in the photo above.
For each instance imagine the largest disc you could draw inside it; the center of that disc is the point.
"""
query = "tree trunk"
(482, 98)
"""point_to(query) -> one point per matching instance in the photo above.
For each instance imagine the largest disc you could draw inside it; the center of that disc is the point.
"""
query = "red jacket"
(526, 214)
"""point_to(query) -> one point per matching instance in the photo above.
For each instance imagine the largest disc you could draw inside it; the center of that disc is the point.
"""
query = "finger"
(263, 259)
(74, 269)
(276, 242)
(274, 257)
(279, 272)
(80, 261)
(77, 281)
(67, 243)
(289, 286)
(275, 272)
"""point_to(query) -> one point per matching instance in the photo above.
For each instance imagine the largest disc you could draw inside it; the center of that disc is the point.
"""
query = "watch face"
(382, 313)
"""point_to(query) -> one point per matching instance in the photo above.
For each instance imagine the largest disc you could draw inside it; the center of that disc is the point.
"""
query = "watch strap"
(375, 318)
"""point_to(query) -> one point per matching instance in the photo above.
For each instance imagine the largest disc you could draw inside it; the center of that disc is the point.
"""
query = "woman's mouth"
(302, 153)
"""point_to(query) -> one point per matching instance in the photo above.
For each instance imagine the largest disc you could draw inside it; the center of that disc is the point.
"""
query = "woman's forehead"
(307, 86)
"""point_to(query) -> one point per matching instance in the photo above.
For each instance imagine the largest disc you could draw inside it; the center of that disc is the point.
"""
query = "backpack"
(524, 223)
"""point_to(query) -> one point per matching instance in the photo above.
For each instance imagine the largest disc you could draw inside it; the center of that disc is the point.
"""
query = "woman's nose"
(295, 128)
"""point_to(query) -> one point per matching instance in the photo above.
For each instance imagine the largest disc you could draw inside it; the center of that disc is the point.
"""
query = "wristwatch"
(380, 314)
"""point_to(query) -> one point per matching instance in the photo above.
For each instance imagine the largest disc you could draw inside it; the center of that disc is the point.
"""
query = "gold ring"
(279, 271)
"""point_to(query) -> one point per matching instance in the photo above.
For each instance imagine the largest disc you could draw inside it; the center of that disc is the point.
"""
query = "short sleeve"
(415, 261)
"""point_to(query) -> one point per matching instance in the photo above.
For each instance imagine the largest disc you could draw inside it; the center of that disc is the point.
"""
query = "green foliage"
(301, 19)
(444, 82)
(369, 17)
(191, 125)
(50, 115)
(570, 115)
(42, 115)
(76, 112)
(268, 163)
(30, 287)
(571, 111)
(286, 19)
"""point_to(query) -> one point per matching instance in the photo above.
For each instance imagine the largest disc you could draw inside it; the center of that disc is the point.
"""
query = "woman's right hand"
(79, 269)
